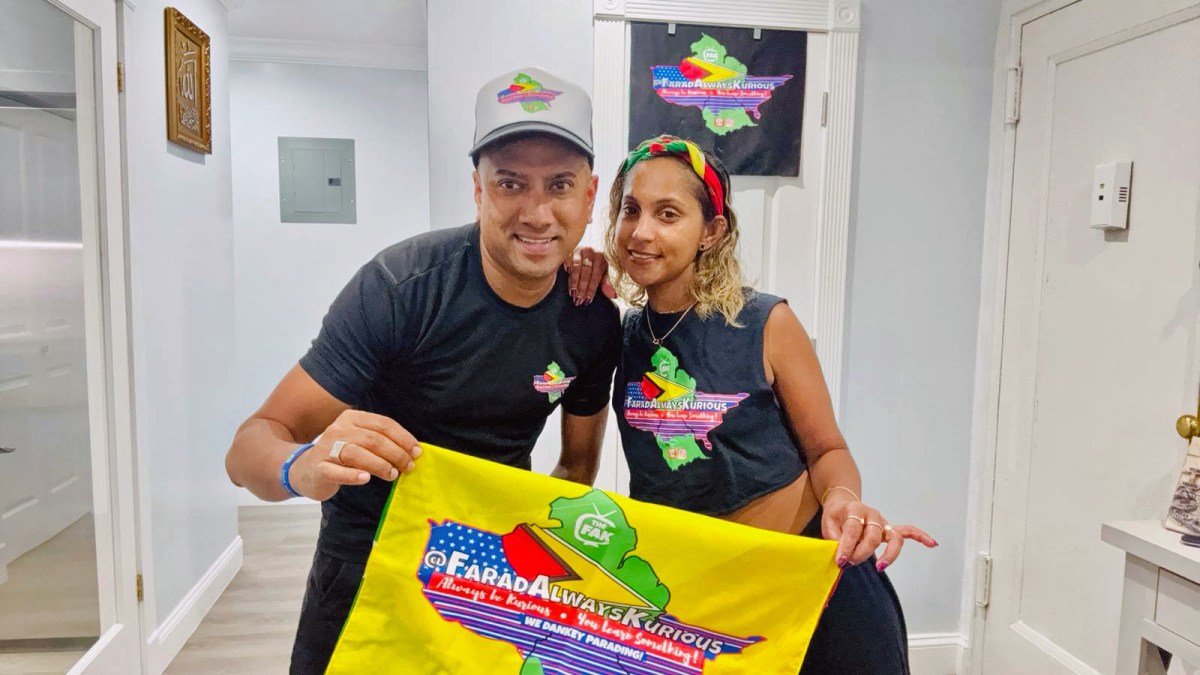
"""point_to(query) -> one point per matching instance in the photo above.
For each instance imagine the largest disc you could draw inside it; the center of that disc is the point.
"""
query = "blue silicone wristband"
(287, 466)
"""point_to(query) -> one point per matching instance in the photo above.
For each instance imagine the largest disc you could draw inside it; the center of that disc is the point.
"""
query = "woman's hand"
(860, 529)
(589, 271)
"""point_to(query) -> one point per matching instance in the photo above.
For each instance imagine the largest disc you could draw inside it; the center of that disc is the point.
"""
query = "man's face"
(533, 199)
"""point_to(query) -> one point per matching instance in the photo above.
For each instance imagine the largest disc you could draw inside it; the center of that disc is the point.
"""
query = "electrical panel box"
(316, 180)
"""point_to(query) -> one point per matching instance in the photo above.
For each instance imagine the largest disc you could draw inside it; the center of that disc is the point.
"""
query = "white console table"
(1160, 603)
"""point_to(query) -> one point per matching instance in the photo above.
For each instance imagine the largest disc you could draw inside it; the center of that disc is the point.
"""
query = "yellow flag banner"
(482, 568)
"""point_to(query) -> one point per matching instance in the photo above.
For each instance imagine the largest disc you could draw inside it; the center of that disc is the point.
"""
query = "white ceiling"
(391, 23)
(369, 33)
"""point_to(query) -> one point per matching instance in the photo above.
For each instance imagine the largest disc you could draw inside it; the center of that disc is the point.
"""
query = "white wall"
(181, 252)
(36, 53)
(287, 274)
(473, 41)
(470, 43)
(925, 94)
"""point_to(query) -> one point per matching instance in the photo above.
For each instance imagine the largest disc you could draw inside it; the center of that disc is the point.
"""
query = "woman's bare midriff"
(788, 509)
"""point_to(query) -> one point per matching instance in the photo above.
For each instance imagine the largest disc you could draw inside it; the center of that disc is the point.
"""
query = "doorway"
(1101, 329)
(65, 559)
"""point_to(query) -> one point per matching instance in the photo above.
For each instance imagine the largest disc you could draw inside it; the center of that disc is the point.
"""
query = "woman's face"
(661, 226)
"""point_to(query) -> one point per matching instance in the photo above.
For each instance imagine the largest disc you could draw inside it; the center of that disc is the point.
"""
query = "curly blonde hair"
(718, 285)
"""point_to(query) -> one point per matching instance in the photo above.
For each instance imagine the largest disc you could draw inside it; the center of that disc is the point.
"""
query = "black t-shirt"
(700, 425)
(419, 336)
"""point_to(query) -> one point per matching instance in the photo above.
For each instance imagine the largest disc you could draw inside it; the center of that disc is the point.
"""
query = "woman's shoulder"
(757, 307)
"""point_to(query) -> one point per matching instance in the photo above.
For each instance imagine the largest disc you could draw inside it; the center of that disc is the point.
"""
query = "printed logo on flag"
(594, 529)
(527, 588)
(553, 382)
(666, 403)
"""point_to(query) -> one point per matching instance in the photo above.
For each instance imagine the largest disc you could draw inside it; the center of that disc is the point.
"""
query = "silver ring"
(335, 453)
(587, 262)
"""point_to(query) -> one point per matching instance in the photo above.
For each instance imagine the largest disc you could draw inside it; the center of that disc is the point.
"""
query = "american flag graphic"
(557, 635)
(674, 87)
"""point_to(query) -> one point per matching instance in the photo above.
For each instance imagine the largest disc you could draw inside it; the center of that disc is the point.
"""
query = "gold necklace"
(659, 340)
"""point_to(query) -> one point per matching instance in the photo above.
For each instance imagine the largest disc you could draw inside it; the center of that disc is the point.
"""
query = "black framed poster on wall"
(739, 95)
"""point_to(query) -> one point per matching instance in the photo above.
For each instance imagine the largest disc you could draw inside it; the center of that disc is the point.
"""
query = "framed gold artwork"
(189, 108)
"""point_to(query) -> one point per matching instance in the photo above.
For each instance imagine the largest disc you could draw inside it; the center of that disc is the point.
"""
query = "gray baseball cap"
(528, 100)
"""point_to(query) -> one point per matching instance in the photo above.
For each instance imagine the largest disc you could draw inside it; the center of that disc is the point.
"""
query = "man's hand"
(373, 445)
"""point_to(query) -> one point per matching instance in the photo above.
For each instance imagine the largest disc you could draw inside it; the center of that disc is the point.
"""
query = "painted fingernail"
(935, 543)
(393, 474)
(842, 562)
(416, 451)
(881, 566)
(574, 295)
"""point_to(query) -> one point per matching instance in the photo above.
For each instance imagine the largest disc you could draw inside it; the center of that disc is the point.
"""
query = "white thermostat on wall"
(1110, 195)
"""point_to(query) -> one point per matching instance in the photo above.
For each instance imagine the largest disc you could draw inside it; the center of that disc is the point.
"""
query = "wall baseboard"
(165, 642)
(936, 653)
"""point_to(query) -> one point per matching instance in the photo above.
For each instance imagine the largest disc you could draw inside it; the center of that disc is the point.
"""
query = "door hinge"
(140, 592)
(825, 109)
(120, 76)
(983, 579)
(1012, 95)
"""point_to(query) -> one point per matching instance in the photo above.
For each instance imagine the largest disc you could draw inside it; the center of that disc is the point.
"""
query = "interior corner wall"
(181, 281)
(471, 42)
(287, 274)
(917, 218)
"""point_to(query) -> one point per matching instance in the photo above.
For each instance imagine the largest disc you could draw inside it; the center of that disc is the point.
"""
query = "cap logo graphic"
(530, 93)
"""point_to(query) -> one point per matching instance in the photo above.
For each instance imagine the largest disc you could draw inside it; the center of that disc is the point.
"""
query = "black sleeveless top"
(700, 425)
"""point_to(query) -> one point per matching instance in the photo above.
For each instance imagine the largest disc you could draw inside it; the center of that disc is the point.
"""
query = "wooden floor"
(52, 592)
(38, 663)
(251, 627)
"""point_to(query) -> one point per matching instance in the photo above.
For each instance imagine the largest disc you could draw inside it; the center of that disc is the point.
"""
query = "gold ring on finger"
(335, 453)
(860, 519)
(871, 522)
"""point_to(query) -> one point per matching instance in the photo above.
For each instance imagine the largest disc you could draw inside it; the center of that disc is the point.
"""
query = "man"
(465, 338)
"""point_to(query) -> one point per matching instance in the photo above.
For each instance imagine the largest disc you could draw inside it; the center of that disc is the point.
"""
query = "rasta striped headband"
(688, 152)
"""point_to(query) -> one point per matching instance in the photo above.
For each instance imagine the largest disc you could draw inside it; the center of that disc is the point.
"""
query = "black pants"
(862, 630)
(332, 585)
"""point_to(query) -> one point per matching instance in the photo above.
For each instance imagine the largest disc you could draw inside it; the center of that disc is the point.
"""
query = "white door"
(1101, 347)
(67, 555)
(45, 472)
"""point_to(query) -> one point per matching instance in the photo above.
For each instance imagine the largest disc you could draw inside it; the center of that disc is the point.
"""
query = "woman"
(721, 403)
